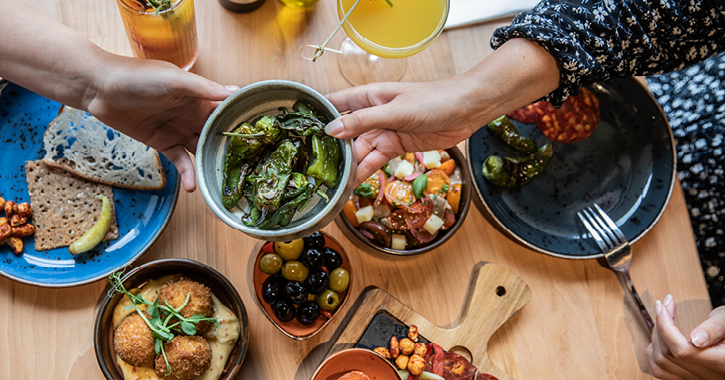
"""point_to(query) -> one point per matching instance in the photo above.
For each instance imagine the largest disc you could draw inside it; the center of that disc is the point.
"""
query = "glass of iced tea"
(161, 29)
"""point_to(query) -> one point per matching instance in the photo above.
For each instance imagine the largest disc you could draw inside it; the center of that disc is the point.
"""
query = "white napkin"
(467, 12)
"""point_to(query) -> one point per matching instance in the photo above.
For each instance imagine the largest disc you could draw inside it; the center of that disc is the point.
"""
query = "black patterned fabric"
(694, 101)
(595, 40)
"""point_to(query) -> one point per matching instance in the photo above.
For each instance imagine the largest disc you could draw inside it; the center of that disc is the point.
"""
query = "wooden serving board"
(494, 294)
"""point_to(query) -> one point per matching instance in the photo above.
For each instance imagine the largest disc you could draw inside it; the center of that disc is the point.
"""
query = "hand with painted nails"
(672, 355)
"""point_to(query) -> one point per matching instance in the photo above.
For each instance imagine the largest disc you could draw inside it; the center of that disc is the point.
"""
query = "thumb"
(197, 86)
(711, 331)
(361, 121)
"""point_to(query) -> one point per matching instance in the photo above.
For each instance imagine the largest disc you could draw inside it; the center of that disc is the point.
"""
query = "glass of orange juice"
(380, 36)
(161, 29)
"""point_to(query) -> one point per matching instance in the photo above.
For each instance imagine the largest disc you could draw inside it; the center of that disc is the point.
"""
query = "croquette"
(188, 356)
(133, 341)
(174, 293)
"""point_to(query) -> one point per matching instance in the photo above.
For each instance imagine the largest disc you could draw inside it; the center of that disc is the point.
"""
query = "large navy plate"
(141, 215)
(627, 166)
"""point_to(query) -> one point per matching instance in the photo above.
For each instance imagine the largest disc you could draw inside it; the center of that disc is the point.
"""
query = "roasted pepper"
(505, 129)
(324, 167)
(306, 120)
(516, 171)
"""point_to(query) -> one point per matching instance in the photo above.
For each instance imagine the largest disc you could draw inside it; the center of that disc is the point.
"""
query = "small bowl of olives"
(302, 284)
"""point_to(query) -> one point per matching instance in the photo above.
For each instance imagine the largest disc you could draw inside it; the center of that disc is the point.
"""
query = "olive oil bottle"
(241, 6)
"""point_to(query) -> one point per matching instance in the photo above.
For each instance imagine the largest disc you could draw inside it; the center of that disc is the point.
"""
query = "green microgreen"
(159, 316)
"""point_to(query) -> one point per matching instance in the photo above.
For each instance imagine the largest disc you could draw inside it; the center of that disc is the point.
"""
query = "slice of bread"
(77, 142)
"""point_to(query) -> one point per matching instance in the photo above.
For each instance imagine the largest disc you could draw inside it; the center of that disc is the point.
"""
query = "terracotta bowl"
(293, 328)
(219, 285)
(466, 195)
(369, 362)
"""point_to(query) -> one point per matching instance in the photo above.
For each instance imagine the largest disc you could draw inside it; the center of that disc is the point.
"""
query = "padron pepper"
(505, 129)
(516, 171)
(306, 119)
(325, 166)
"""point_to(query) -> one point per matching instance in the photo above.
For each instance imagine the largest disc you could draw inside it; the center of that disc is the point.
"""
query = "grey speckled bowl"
(264, 98)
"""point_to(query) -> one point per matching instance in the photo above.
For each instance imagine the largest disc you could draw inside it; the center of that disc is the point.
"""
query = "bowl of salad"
(412, 205)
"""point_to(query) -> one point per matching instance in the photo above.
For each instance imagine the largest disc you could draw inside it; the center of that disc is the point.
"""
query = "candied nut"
(383, 352)
(4, 221)
(10, 208)
(2, 202)
(5, 231)
(15, 243)
(406, 346)
(420, 349)
(23, 230)
(402, 362)
(458, 368)
(17, 220)
(413, 333)
(416, 364)
(394, 348)
(25, 210)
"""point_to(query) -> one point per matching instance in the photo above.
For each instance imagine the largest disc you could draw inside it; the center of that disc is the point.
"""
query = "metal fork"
(617, 253)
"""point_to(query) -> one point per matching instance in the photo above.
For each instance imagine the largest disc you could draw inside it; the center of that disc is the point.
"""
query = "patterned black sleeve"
(594, 40)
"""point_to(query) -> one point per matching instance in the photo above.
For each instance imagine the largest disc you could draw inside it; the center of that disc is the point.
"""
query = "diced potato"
(365, 214)
(433, 224)
(404, 169)
(398, 242)
(431, 159)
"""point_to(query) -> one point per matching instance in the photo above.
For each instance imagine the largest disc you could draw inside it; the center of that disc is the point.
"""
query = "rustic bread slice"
(77, 142)
(64, 206)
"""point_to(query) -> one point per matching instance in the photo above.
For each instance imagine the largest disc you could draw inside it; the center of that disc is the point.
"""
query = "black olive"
(284, 309)
(317, 281)
(308, 312)
(272, 288)
(333, 259)
(313, 258)
(314, 240)
(296, 291)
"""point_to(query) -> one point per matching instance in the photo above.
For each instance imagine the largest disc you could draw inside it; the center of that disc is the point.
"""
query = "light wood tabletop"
(579, 324)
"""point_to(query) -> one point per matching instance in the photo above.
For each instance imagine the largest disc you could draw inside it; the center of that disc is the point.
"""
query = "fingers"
(374, 149)
(355, 98)
(180, 157)
(657, 370)
(192, 85)
(361, 121)
(671, 339)
(711, 331)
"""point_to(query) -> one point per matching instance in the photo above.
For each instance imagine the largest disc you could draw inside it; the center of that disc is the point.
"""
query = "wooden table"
(578, 325)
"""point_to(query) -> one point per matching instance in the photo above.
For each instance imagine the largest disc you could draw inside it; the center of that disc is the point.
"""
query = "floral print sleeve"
(596, 40)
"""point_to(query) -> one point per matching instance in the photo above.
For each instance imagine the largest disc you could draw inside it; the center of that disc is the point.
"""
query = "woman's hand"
(672, 356)
(156, 103)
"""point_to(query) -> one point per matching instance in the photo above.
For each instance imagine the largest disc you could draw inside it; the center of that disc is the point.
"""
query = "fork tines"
(607, 235)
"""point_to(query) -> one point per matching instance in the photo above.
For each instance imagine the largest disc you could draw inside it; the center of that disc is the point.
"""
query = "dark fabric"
(596, 40)
(694, 101)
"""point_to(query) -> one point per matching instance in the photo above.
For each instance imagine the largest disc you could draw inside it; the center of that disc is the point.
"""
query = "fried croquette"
(133, 341)
(188, 356)
(174, 293)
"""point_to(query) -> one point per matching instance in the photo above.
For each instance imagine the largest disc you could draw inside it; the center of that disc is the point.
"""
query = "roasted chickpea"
(402, 362)
(383, 352)
(420, 349)
(416, 364)
(413, 333)
(394, 347)
(458, 368)
(406, 346)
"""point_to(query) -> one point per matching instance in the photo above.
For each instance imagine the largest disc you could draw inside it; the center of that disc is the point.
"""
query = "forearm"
(45, 56)
(516, 74)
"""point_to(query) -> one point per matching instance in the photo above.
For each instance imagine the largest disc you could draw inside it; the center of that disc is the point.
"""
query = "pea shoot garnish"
(158, 5)
(163, 320)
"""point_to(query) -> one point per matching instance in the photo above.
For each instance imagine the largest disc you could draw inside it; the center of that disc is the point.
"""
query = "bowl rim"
(337, 200)
(105, 302)
(369, 245)
(354, 349)
(254, 258)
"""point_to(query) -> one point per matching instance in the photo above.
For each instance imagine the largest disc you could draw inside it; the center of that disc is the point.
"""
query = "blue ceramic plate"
(141, 215)
(627, 166)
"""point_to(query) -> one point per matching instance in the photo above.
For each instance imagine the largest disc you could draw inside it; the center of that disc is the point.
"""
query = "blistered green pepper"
(324, 167)
(306, 119)
(516, 171)
(505, 129)
(283, 215)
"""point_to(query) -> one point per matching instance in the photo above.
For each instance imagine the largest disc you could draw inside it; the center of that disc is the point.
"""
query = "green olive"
(270, 263)
(290, 250)
(294, 270)
(339, 280)
(328, 300)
